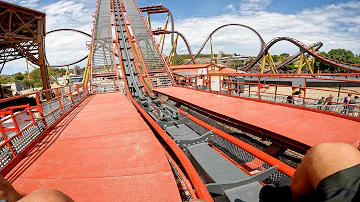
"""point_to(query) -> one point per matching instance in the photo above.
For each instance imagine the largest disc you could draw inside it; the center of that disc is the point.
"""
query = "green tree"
(38, 84)
(35, 75)
(336, 54)
(276, 58)
(284, 55)
(26, 83)
(19, 76)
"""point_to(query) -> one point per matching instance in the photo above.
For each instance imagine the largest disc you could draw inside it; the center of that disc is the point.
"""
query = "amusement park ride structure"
(306, 56)
(206, 162)
(22, 33)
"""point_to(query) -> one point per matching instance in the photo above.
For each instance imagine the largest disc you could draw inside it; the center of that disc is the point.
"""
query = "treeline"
(35, 77)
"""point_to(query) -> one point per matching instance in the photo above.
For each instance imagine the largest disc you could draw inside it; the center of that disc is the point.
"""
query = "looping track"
(303, 48)
(316, 46)
(311, 50)
(70, 30)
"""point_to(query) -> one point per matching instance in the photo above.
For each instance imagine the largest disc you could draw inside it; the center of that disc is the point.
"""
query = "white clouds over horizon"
(336, 25)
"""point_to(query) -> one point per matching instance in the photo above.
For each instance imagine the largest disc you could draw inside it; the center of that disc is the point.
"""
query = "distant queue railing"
(258, 87)
(23, 126)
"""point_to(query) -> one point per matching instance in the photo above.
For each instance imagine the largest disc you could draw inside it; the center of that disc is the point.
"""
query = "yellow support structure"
(67, 73)
(271, 63)
(307, 64)
(173, 51)
(28, 73)
(301, 63)
(85, 79)
(51, 73)
(263, 61)
(148, 20)
(105, 59)
(162, 37)
(313, 62)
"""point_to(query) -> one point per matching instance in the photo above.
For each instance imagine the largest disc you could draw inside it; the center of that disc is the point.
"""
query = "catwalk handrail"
(23, 126)
(255, 87)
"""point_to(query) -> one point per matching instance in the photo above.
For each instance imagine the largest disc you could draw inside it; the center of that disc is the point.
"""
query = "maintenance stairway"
(155, 66)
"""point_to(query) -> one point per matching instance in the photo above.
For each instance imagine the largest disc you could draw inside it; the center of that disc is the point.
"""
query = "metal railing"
(254, 86)
(23, 126)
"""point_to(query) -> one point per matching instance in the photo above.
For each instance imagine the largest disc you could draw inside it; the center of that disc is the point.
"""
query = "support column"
(41, 61)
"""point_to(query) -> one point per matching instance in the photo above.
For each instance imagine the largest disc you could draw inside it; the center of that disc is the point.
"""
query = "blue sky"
(205, 8)
(336, 23)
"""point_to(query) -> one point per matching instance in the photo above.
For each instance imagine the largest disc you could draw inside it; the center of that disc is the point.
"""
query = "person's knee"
(330, 150)
(44, 195)
(325, 159)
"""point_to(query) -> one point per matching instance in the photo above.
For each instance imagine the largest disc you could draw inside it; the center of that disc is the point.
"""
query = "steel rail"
(184, 39)
(69, 30)
(303, 48)
(291, 59)
(262, 42)
(195, 179)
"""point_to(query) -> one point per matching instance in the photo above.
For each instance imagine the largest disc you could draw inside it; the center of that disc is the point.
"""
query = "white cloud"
(253, 6)
(336, 25)
(30, 3)
(62, 47)
(25, 3)
(230, 7)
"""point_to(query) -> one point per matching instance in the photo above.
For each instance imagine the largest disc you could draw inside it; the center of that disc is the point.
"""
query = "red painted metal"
(252, 150)
(92, 48)
(292, 125)
(195, 179)
(17, 158)
(138, 50)
(190, 84)
(187, 183)
(103, 151)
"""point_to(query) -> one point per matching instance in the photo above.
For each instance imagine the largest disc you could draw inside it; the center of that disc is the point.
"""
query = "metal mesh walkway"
(102, 151)
(155, 66)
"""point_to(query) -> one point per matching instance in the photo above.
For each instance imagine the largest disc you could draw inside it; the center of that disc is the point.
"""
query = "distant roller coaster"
(69, 30)
(263, 56)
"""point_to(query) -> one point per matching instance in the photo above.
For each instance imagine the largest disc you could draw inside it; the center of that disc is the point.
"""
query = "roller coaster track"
(311, 50)
(181, 132)
(262, 42)
(157, 32)
(316, 46)
(69, 30)
(303, 48)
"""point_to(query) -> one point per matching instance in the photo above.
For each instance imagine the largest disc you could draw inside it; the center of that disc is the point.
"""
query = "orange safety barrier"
(255, 87)
(22, 130)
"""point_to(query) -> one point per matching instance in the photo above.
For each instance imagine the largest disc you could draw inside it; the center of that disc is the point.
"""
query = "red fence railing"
(23, 126)
(279, 89)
